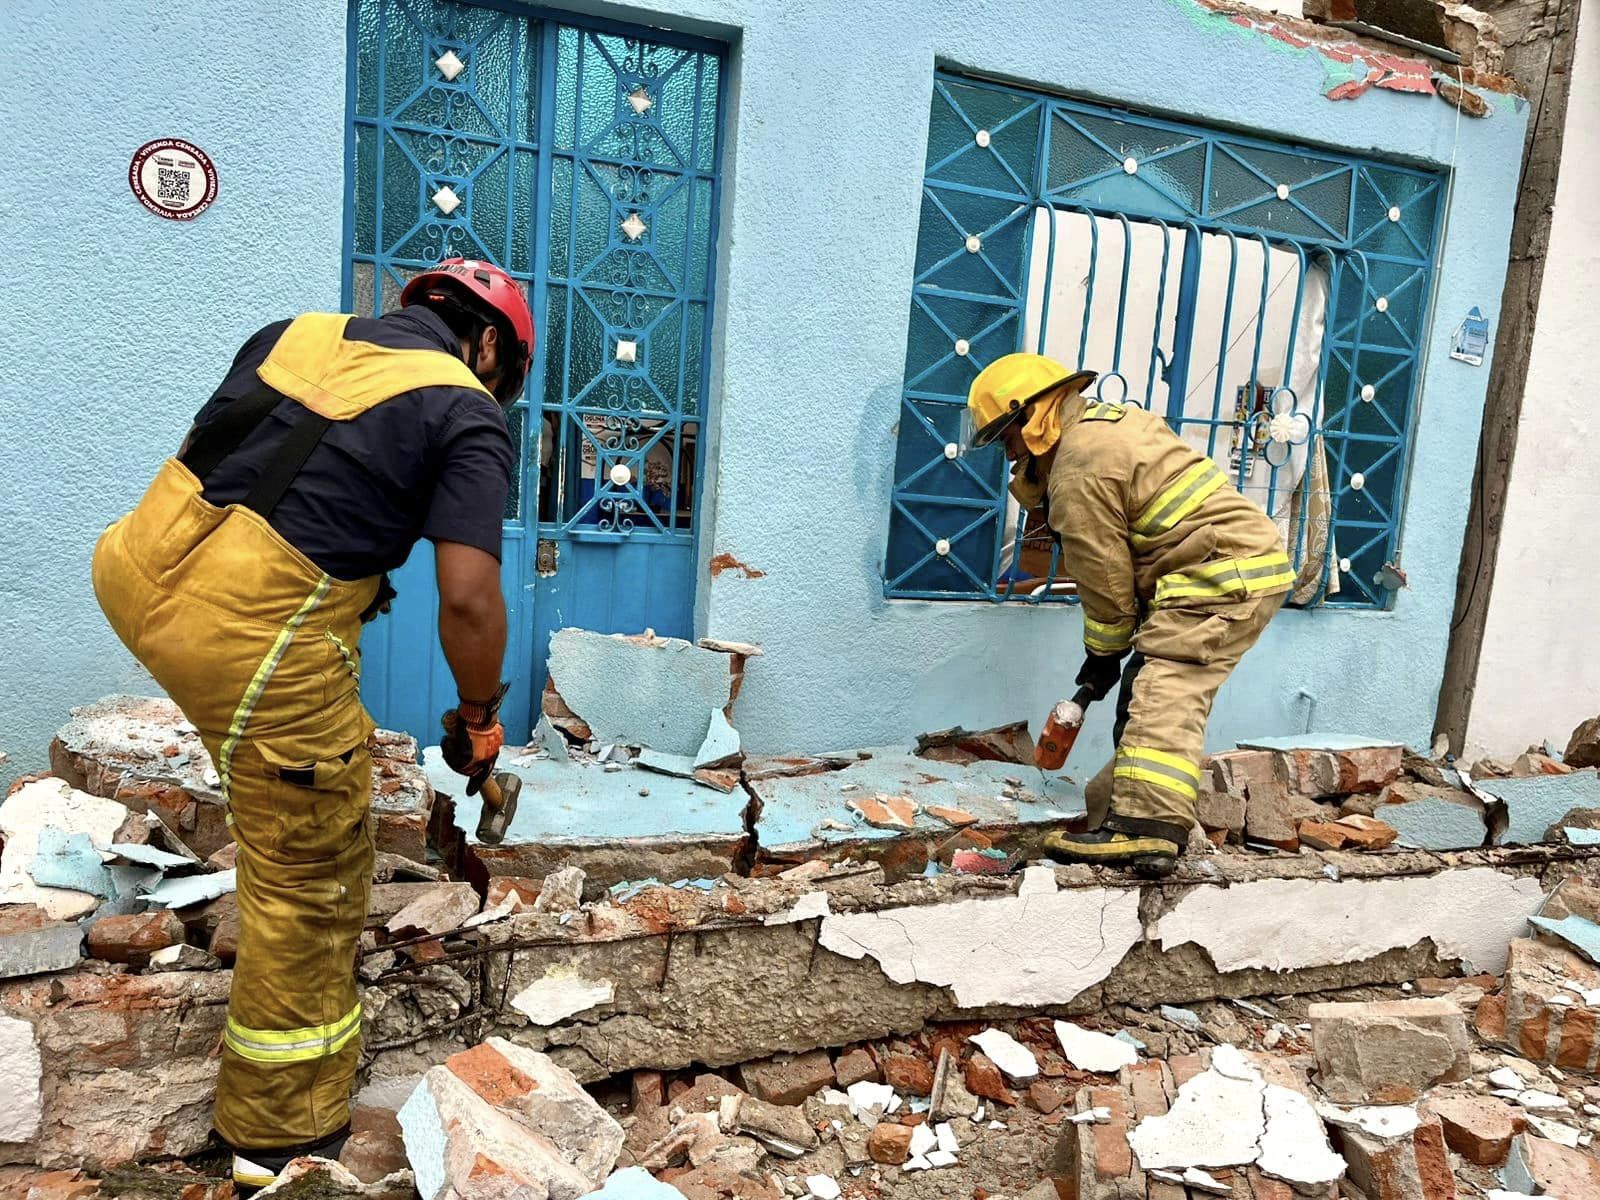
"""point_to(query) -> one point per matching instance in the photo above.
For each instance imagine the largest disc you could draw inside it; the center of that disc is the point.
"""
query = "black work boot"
(255, 1169)
(1148, 847)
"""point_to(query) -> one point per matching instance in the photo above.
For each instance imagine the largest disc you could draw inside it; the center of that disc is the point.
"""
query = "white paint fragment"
(941, 1158)
(1016, 951)
(807, 908)
(28, 810)
(923, 1141)
(947, 1138)
(865, 1096)
(823, 1187)
(21, 1071)
(1091, 1051)
(1037, 881)
(554, 998)
(1217, 1120)
(1010, 1055)
(192, 889)
(1286, 924)
(916, 1163)
(1092, 1116)
(511, 905)
(1505, 1077)
(1532, 1098)
(1556, 1131)
(1202, 1181)
(1294, 1147)
(1379, 1120)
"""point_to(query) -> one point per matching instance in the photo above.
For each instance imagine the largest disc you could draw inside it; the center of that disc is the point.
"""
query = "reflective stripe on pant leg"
(1172, 772)
(293, 1045)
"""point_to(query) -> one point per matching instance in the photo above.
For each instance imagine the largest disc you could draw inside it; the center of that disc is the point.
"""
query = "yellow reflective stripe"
(1180, 499)
(1167, 771)
(253, 1180)
(1228, 577)
(1107, 637)
(293, 1045)
(1102, 411)
(347, 653)
(258, 682)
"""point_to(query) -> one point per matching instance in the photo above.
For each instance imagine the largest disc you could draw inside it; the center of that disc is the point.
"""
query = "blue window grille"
(1269, 300)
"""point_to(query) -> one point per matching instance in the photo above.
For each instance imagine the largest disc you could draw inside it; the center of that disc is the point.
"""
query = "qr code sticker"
(172, 185)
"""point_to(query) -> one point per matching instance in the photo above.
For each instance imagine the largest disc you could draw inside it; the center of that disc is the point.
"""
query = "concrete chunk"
(546, 1100)
(1390, 1051)
(31, 943)
(441, 908)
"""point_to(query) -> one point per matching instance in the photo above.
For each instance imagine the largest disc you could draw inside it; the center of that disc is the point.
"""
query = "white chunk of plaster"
(941, 1158)
(1017, 951)
(28, 810)
(554, 998)
(1286, 924)
(923, 1140)
(1558, 1132)
(1202, 1181)
(1505, 1077)
(1037, 881)
(1091, 1051)
(1536, 1099)
(1387, 1121)
(422, 1130)
(807, 908)
(946, 1137)
(1294, 1147)
(1093, 1116)
(1217, 1121)
(1229, 1060)
(866, 1096)
(21, 1101)
(823, 1187)
(1010, 1055)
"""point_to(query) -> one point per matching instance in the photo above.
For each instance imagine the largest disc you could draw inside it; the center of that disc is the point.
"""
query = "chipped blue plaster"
(1540, 801)
(69, 860)
(571, 804)
(721, 742)
(635, 1183)
(1582, 837)
(652, 694)
(827, 134)
(1434, 823)
(1582, 934)
(803, 811)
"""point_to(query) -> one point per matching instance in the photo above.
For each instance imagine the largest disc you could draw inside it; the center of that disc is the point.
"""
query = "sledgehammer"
(499, 795)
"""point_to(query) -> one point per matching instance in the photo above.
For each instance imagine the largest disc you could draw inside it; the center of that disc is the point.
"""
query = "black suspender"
(212, 443)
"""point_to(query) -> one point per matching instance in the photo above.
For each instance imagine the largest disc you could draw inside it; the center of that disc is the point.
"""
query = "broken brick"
(1479, 1128)
(955, 817)
(646, 1090)
(855, 1066)
(1413, 1167)
(883, 811)
(1324, 835)
(889, 1144)
(133, 938)
(789, 1078)
(984, 1079)
(503, 887)
(372, 1154)
(908, 1073)
(440, 908)
(1272, 815)
(31, 943)
(1490, 1019)
(1006, 743)
(1221, 812)
(1555, 1170)
(1045, 1096)
(1368, 833)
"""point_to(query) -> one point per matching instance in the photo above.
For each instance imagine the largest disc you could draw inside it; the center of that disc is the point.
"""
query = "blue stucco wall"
(101, 365)
(118, 324)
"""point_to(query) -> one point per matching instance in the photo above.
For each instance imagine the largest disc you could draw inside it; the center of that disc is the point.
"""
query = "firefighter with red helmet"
(242, 581)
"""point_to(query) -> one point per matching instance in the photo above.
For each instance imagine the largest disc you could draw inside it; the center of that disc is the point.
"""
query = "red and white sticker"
(173, 178)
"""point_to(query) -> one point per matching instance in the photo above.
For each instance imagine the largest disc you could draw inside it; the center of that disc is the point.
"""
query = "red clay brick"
(1479, 1128)
(1148, 1086)
(1534, 1037)
(908, 1073)
(134, 937)
(984, 1079)
(889, 1144)
(1490, 1019)
(1113, 1158)
(1577, 1039)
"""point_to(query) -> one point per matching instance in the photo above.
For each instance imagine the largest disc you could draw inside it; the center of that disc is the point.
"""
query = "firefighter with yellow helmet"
(1171, 563)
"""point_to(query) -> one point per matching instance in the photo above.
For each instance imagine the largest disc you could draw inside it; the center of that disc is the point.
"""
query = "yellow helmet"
(1003, 390)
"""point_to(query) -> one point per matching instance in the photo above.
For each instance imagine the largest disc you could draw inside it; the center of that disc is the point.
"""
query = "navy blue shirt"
(431, 463)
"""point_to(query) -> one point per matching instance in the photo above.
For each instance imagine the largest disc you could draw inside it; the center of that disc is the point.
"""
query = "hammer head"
(499, 796)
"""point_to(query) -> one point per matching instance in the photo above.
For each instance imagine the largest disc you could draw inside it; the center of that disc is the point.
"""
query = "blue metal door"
(583, 158)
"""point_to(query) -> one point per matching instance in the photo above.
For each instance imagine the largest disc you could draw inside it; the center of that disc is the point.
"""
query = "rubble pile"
(1376, 974)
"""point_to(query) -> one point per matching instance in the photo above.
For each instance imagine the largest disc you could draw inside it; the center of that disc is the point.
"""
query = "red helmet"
(490, 288)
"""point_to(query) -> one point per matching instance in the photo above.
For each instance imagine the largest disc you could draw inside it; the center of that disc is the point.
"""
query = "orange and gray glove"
(473, 737)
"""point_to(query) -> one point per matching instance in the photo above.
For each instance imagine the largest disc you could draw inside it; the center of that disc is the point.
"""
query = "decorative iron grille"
(1269, 300)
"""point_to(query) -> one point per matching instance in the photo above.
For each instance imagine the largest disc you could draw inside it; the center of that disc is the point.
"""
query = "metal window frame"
(1348, 250)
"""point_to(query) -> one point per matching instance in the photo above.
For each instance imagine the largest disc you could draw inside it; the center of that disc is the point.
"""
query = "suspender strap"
(214, 442)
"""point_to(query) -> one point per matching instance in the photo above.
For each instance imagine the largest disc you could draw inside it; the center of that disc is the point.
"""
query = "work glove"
(1100, 673)
(472, 739)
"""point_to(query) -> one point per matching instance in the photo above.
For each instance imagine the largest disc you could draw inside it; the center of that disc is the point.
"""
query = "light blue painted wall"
(118, 324)
(828, 121)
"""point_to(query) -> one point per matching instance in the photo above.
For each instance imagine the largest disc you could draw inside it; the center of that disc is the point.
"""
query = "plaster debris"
(32, 808)
(561, 892)
(823, 1187)
(70, 861)
(1390, 1051)
(183, 957)
(809, 907)
(440, 908)
(883, 811)
(1010, 1055)
(1091, 1051)
(193, 889)
(721, 747)
(1217, 1120)
(1036, 951)
(32, 943)
(1557, 1131)
(1582, 934)
(1182, 1018)
(21, 1076)
(1294, 1145)
(635, 1183)
(553, 999)
(1383, 1121)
